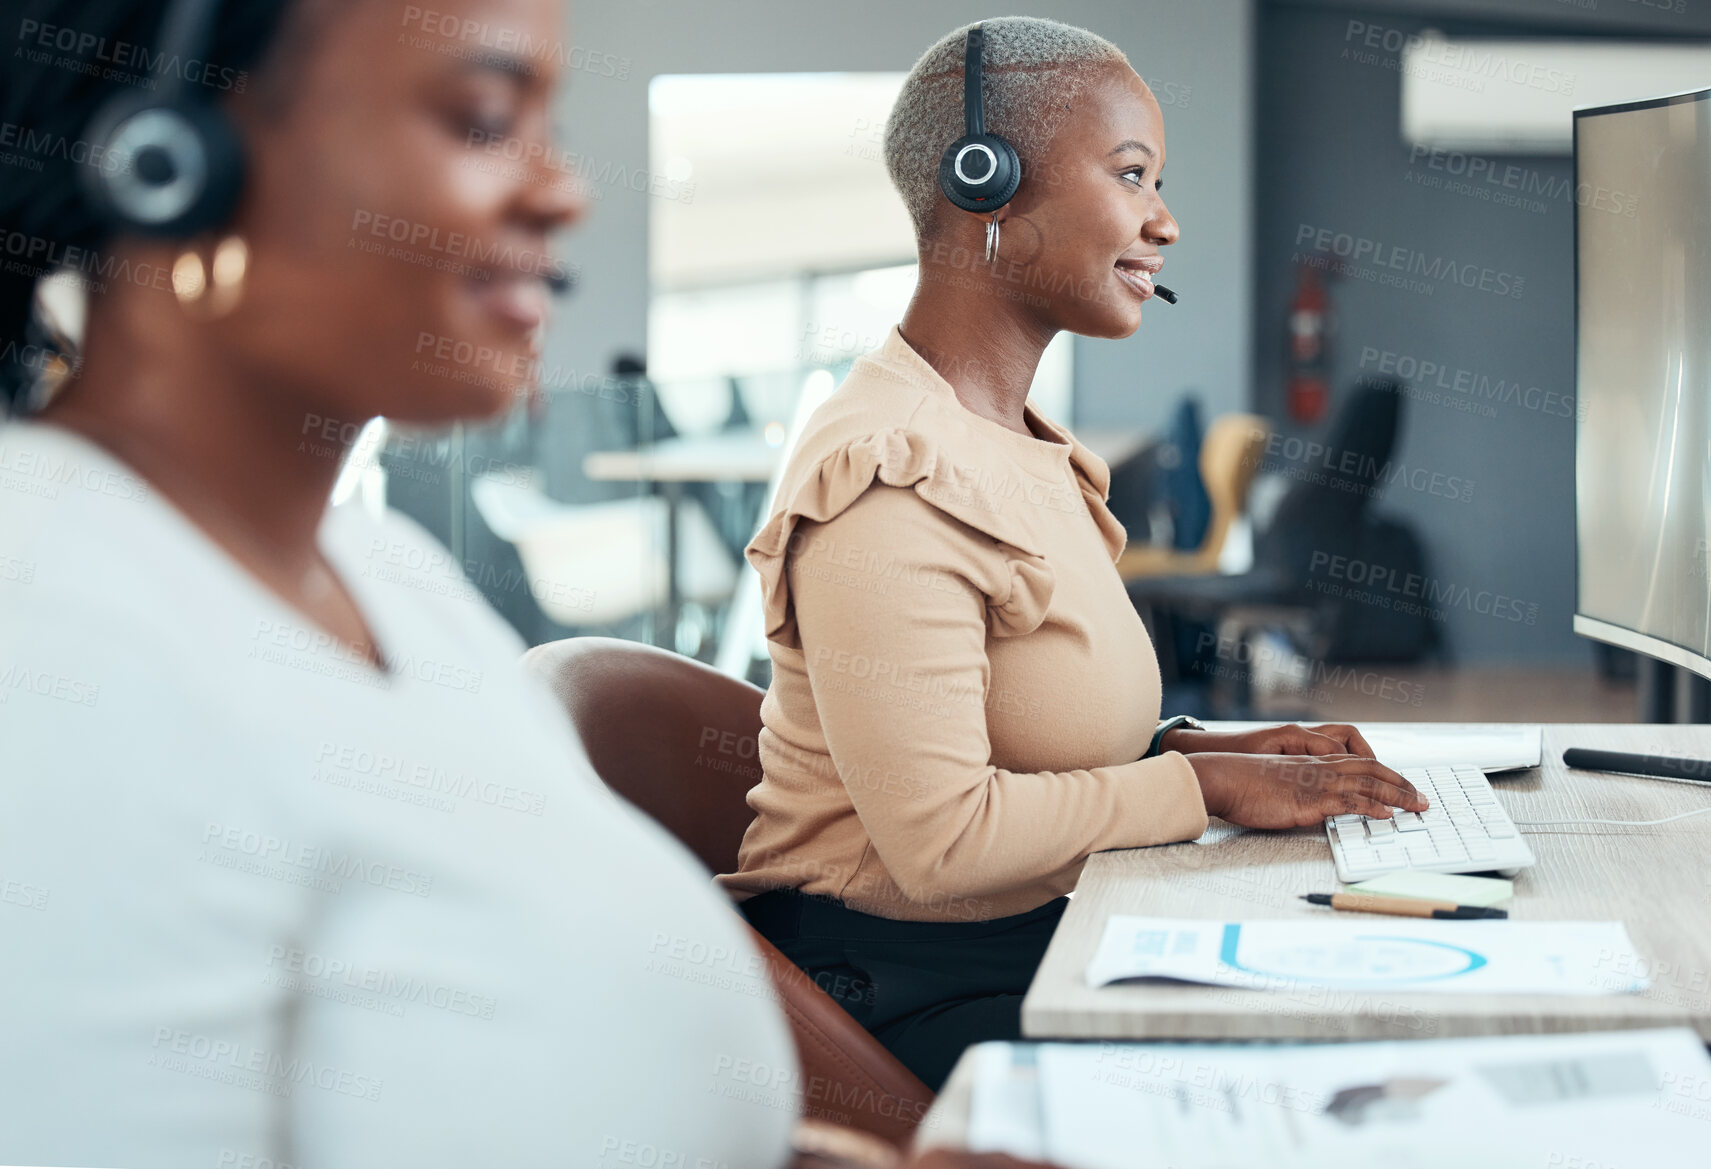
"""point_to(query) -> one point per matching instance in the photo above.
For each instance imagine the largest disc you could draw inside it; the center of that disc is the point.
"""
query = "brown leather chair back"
(677, 739)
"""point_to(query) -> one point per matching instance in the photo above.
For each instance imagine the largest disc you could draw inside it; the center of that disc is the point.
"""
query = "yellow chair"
(1230, 455)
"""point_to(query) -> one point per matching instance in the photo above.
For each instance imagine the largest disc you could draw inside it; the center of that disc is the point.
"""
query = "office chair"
(676, 738)
(1229, 456)
(1326, 512)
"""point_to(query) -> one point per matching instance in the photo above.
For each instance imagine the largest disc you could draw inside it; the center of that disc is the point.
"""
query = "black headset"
(170, 162)
(979, 171)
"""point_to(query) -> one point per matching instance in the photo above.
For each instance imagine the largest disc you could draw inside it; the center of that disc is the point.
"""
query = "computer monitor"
(1643, 376)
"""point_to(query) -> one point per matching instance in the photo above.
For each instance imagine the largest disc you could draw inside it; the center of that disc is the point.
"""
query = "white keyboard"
(1464, 831)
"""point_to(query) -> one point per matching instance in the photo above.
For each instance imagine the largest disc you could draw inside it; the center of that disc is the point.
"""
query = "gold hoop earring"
(209, 291)
(992, 239)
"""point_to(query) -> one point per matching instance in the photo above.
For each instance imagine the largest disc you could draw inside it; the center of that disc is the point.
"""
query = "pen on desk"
(1402, 906)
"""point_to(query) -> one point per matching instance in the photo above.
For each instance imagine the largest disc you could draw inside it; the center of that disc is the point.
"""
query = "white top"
(264, 905)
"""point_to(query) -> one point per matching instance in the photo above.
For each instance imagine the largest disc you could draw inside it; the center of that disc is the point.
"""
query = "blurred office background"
(1345, 458)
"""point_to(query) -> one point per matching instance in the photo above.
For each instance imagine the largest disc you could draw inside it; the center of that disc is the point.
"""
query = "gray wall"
(1202, 50)
(1330, 157)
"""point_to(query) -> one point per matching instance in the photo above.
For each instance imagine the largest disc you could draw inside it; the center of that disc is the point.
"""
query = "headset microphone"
(1164, 294)
(170, 164)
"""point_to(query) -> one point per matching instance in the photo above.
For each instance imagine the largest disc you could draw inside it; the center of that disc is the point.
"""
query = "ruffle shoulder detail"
(899, 457)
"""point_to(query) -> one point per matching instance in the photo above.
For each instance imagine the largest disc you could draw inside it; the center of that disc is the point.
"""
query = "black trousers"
(924, 989)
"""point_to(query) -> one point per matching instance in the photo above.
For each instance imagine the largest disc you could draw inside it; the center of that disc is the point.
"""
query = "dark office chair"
(676, 738)
(1326, 513)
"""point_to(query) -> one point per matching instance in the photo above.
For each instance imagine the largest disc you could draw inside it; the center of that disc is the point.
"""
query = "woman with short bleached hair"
(964, 703)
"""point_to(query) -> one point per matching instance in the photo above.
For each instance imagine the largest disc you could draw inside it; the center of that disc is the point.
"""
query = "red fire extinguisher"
(1308, 390)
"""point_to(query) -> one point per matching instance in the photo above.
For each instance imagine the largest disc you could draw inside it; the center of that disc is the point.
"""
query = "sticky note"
(1463, 890)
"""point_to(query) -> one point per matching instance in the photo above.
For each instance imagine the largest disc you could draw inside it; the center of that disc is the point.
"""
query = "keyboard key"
(1465, 828)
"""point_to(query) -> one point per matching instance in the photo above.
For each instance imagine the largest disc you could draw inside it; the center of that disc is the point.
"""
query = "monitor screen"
(1643, 374)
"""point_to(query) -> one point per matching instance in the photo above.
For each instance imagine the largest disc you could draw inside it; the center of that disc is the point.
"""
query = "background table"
(1655, 880)
(745, 456)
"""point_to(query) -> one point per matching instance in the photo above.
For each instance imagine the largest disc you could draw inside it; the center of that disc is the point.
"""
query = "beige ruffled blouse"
(961, 688)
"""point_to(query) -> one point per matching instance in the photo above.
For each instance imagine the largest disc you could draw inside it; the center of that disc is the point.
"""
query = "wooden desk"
(1656, 880)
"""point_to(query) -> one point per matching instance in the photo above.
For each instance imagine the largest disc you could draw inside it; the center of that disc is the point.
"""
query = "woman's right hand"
(1294, 791)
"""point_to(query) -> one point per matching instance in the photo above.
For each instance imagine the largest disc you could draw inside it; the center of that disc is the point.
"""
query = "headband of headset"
(979, 171)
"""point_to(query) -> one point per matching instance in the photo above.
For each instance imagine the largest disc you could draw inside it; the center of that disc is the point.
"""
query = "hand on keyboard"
(1292, 791)
(1466, 830)
(1291, 739)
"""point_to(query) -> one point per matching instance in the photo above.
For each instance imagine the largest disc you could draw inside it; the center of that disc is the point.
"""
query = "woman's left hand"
(1293, 739)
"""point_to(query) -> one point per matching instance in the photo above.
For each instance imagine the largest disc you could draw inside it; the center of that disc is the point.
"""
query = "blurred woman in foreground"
(300, 869)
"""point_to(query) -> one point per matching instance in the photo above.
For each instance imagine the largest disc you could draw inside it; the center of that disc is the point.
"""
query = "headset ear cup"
(203, 177)
(980, 172)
